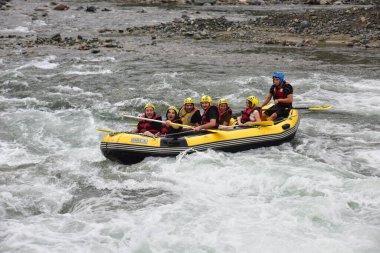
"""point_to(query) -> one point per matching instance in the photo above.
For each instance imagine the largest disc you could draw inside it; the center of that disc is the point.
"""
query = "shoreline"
(344, 26)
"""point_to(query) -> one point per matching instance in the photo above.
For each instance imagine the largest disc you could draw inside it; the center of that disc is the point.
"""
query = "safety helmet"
(172, 108)
(206, 99)
(253, 100)
(222, 101)
(188, 101)
(280, 76)
(150, 105)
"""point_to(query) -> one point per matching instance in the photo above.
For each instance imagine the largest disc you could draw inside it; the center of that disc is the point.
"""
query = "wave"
(84, 73)
(28, 102)
(96, 59)
(62, 89)
(44, 63)
(18, 29)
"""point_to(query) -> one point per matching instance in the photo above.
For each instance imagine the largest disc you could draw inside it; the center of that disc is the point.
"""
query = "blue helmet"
(280, 76)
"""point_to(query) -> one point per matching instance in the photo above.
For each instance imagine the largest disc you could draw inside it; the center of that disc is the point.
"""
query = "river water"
(317, 193)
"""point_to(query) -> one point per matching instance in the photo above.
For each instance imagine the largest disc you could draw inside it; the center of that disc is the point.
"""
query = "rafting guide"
(282, 93)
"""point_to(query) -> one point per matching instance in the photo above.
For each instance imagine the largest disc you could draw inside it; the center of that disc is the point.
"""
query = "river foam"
(318, 193)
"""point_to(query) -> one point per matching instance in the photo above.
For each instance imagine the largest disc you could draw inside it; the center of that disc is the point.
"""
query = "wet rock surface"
(5, 5)
(356, 26)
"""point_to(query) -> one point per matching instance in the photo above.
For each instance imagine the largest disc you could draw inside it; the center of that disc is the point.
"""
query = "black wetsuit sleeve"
(288, 89)
(271, 90)
(196, 118)
(214, 114)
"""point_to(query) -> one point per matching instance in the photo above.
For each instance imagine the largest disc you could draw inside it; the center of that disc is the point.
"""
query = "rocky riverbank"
(352, 26)
(355, 26)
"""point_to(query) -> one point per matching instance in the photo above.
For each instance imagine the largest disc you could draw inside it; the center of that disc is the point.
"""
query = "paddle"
(250, 124)
(314, 108)
(158, 121)
(172, 124)
(111, 132)
(104, 130)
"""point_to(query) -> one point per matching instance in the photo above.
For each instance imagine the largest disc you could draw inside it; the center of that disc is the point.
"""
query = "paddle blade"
(315, 108)
(322, 107)
(104, 130)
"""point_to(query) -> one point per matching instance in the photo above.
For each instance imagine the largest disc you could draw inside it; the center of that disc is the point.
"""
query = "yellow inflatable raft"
(128, 148)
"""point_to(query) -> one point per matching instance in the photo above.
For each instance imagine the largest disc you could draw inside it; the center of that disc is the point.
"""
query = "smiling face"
(223, 107)
(189, 107)
(170, 115)
(149, 112)
(205, 105)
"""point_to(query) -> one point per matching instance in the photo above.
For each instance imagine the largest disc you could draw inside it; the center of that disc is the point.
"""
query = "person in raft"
(148, 127)
(189, 114)
(171, 117)
(282, 93)
(225, 113)
(252, 113)
(210, 115)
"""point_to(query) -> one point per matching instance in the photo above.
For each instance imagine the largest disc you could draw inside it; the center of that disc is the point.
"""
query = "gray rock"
(178, 20)
(61, 7)
(325, 2)
(189, 34)
(56, 37)
(197, 36)
(185, 17)
(91, 9)
(110, 45)
(256, 2)
(304, 24)
(203, 2)
(204, 33)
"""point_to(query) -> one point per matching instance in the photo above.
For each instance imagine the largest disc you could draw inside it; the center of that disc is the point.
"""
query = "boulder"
(61, 7)
(204, 2)
(56, 37)
(325, 2)
(91, 9)
(255, 2)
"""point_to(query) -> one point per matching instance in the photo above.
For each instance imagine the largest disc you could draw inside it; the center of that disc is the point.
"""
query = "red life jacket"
(279, 93)
(247, 112)
(144, 125)
(169, 129)
(206, 117)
